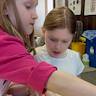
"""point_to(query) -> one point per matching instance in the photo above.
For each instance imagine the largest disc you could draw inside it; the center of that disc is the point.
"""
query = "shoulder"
(76, 59)
(41, 50)
(72, 52)
(41, 54)
(11, 44)
(4, 36)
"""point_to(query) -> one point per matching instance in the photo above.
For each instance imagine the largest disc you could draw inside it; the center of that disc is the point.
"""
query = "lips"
(32, 24)
(55, 52)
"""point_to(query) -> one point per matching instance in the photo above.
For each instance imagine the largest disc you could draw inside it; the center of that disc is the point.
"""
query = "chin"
(55, 56)
(29, 32)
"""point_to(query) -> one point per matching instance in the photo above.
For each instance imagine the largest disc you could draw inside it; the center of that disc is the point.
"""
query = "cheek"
(23, 15)
(49, 42)
(65, 46)
(68, 45)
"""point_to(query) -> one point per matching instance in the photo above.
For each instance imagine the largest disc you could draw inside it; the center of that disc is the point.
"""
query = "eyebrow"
(57, 39)
(32, 2)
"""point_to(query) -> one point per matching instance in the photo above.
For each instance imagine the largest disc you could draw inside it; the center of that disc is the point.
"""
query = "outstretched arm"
(68, 85)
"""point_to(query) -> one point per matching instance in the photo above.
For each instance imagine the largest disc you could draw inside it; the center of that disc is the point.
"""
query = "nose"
(58, 46)
(34, 14)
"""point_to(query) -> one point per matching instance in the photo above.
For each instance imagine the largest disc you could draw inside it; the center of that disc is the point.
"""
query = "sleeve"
(80, 65)
(17, 65)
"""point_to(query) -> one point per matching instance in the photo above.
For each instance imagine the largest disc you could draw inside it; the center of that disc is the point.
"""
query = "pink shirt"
(17, 65)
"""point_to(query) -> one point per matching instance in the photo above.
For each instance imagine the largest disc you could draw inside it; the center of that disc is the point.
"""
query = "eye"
(65, 41)
(28, 6)
(54, 40)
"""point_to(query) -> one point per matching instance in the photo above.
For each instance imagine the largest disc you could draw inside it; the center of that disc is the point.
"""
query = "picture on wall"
(90, 7)
(75, 6)
(58, 3)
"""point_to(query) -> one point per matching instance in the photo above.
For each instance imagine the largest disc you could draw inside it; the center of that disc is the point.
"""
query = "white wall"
(59, 3)
(50, 5)
(41, 11)
(41, 15)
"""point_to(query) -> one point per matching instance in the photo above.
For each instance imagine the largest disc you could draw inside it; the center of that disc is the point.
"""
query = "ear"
(43, 31)
(6, 11)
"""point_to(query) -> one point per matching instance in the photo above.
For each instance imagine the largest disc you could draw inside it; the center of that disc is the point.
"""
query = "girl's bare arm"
(68, 85)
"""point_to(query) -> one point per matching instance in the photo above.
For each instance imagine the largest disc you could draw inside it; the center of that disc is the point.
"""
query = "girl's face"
(27, 14)
(57, 41)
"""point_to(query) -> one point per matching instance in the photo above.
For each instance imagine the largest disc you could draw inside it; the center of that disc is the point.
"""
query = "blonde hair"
(6, 24)
(61, 17)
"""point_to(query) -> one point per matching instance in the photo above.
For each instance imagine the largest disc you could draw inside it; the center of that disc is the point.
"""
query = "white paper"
(75, 6)
(90, 7)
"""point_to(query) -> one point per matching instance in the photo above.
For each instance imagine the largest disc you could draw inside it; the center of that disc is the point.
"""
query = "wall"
(89, 21)
(44, 6)
(41, 15)
(59, 3)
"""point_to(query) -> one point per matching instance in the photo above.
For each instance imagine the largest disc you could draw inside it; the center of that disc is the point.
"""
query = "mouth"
(32, 24)
(56, 53)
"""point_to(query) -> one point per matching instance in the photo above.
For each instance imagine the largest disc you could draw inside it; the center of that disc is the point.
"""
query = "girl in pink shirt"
(17, 18)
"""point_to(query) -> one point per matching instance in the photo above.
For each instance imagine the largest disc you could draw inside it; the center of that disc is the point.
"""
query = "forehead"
(34, 2)
(59, 33)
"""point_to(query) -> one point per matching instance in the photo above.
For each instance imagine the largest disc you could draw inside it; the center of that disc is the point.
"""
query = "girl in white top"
(58, 31)
(69, 62)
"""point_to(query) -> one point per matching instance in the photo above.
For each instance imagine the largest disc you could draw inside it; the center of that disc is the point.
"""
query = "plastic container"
(79, 47)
